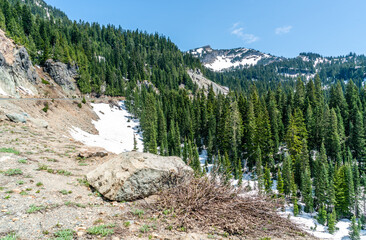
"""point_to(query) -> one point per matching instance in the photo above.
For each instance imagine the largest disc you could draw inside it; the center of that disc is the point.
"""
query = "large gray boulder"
(62, 74)
(17, 118)
(134, 175)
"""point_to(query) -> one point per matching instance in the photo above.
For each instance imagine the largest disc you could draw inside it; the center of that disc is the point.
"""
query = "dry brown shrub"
(207, 204)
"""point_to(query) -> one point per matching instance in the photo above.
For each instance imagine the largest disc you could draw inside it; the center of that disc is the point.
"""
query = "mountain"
(225, 59)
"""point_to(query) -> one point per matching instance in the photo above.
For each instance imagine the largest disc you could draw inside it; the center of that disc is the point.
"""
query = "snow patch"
(116, 127)
(223, 62)
(3, 93)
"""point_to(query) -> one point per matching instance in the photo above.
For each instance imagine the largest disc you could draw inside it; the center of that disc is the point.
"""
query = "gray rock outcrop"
(62, 74)
(17, 118)
(204, 83)
(17, 74)
(134, 175)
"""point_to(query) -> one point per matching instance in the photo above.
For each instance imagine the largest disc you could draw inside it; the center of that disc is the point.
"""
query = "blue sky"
(280, 27)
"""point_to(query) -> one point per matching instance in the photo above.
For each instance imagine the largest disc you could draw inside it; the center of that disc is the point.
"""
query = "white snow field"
(116, 127)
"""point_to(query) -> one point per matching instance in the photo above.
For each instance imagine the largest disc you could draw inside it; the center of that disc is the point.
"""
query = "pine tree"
(226, 165)
(259, 168)
(322, 215)
(267, 180)
(354, 234)
(321, 177)
(287, 174)
(134, 143)
(195, 163)
(280, 184)
(331, 222)
(307, 191)
(296, 207)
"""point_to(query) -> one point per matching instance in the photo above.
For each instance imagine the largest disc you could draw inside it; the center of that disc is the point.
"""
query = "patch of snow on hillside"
(222, 62)
(308, 223)
(199, 50)
(2, 92)
(116, 127)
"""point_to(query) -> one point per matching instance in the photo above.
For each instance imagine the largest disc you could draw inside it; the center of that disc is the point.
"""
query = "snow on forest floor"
(116, 127)
(309, 223)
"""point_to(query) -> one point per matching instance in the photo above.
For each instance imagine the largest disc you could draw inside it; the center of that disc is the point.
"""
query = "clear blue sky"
(280, 27)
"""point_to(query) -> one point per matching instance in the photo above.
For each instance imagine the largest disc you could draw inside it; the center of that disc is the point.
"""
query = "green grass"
(127, 224)
(45, 82)
(65, 234)
(11, 236)
(7, 197)
(39, 184)
(83, 182)
(21, 182)
(145, 228)
(33, 208)
(65, 192)
(74, 204)
(12, 172)
(9, 150)
(22, 161)
(101, 230)
(138, 212)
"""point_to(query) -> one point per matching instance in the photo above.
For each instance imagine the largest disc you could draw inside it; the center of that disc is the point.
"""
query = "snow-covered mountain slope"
(224, 59)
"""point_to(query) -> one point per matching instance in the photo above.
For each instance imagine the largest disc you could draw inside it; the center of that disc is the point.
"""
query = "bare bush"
(208, 204)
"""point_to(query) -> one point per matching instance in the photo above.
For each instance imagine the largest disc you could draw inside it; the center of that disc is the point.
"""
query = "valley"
(108, 133)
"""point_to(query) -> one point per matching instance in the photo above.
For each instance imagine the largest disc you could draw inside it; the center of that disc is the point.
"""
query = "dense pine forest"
(308, 137)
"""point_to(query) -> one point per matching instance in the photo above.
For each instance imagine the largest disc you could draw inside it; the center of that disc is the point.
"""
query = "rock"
(39, 122)
(23, 64)
(62, 74)
(91, 152)
(17, 118)
(134, 175)
(17, 74)
(17, 190)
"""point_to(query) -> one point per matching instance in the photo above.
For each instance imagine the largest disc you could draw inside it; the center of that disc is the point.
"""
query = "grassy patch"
(65, 234)
(21, 182)
(138, 212)
(83, 182)
(11, 236)
(101, 230)
(145, 228)
(65, 192)
(9, 150)
(45, 82)
(22, 161)
(39, 184)
(12, 172)
(74, 204)
(33, 208)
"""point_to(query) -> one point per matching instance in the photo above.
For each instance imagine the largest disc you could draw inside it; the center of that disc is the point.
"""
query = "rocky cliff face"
(19, 78)
(62, 74)
(17, 75)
